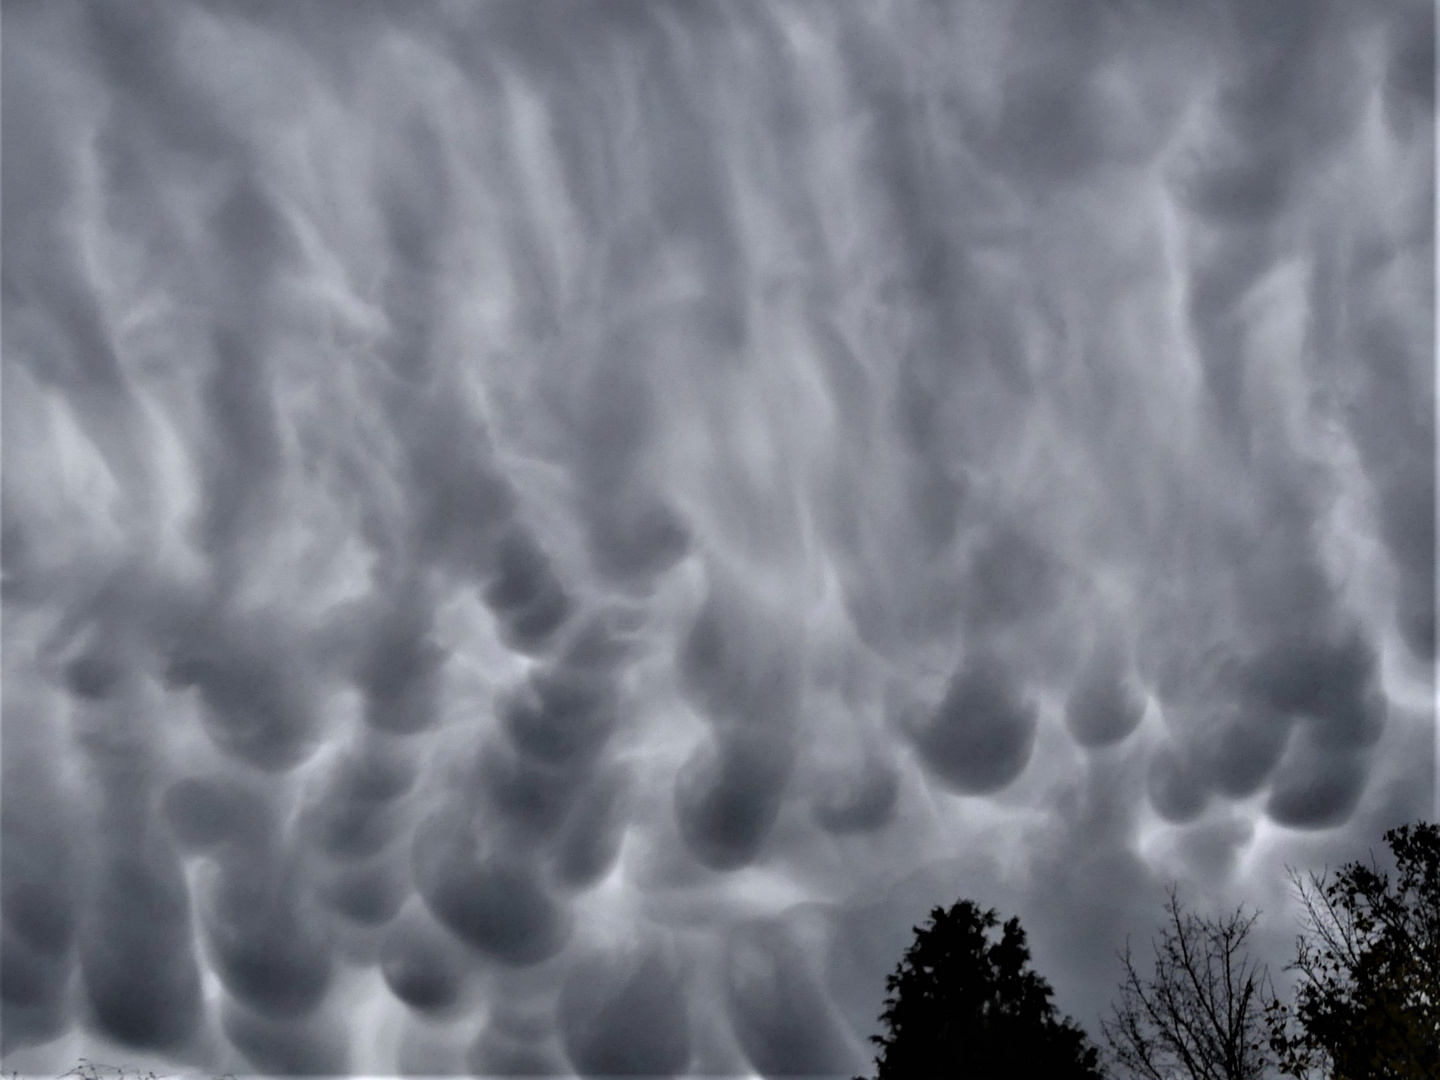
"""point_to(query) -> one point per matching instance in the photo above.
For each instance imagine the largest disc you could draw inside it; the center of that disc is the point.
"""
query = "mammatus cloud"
(543, 537)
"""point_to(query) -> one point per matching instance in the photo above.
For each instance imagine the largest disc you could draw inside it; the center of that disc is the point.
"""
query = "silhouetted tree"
(1201, 1014)
(1367, 1002)
(965, 1006)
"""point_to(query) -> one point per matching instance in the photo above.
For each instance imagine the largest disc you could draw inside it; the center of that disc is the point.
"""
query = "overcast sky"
(545, 536)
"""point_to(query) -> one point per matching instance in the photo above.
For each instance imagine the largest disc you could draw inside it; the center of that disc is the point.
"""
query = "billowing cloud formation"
(625, 1015)
(981, 735)
(543, 537)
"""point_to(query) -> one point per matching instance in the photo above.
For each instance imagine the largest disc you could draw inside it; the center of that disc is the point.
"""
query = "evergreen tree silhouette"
(965, 1006)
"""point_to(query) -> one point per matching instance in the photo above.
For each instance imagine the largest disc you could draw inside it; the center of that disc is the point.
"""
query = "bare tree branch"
(1201, 1015)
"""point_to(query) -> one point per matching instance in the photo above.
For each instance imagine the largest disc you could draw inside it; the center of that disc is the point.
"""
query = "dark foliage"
(966, 1006)
(1367, 1003)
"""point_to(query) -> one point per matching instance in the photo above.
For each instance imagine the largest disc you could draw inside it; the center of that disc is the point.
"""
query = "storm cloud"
(543, 537)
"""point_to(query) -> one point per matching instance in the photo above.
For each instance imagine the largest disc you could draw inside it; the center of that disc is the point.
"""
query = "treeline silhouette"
(964, 1003)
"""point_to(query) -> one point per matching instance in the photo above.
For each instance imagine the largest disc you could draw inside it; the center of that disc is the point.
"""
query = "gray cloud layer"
(542, 537)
